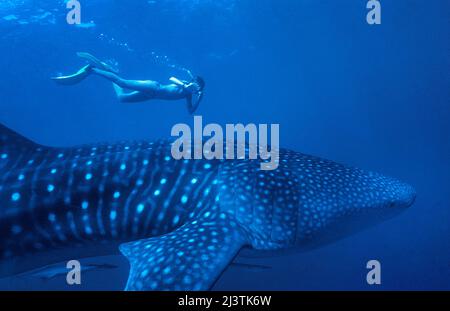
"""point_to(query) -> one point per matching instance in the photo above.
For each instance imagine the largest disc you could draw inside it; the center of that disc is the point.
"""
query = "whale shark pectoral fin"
(190, 258)
(82, 74)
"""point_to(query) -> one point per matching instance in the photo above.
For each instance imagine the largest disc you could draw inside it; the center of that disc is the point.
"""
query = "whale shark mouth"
(389, 197)
(352, 224)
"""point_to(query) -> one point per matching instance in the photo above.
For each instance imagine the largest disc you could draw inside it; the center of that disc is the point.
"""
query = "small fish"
(91, 24)
(41, 16)
(11, 17)
(250, 266)
(53, 271)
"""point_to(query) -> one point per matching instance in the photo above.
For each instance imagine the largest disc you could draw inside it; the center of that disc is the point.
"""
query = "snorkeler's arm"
(193, 105)
(177, 81)
(189, 104)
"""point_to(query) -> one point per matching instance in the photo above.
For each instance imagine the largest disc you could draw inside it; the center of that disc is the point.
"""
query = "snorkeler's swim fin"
(76, 78)
(94, 61)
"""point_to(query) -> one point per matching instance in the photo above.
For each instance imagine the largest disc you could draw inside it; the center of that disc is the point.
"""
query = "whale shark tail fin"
(13, 144)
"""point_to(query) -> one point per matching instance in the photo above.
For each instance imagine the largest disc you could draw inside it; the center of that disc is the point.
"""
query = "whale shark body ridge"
(179, 223)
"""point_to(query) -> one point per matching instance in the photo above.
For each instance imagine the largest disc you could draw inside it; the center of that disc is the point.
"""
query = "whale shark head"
(336, 201)
(308, 201)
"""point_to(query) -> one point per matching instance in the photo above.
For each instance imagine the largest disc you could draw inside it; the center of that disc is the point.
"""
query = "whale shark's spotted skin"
(98, 192)
(180, 223)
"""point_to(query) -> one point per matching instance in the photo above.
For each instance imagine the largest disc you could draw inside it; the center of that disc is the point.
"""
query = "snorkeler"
(141, 90)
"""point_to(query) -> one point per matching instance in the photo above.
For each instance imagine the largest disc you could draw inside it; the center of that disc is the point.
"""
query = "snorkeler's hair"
(201, 82)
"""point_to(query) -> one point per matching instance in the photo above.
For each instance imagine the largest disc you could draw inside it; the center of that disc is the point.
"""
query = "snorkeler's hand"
(191, 87)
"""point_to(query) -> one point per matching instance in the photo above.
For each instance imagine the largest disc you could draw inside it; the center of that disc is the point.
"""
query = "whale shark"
(180, 223)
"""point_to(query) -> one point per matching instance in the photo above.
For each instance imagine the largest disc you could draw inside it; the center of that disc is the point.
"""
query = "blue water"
(376, 97)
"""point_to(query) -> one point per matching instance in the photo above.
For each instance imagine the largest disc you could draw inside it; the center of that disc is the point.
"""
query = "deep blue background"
(376, 97)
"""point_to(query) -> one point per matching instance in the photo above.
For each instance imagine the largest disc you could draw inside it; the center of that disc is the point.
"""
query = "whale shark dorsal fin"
(12, 144)
(189, 258)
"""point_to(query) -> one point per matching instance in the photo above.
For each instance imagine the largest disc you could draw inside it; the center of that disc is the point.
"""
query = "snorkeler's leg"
(119, 91)
(136, 85)
(132, 97)
(95, 62)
